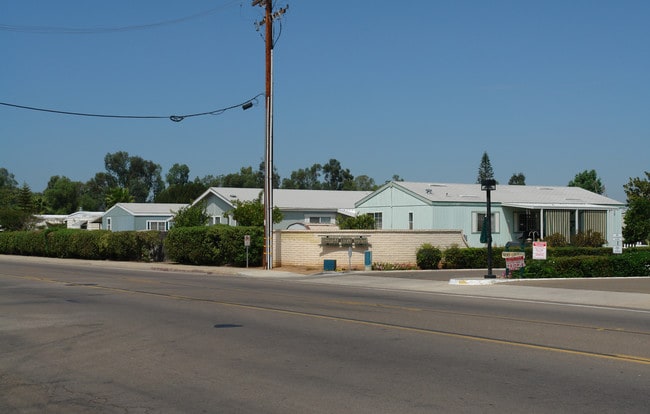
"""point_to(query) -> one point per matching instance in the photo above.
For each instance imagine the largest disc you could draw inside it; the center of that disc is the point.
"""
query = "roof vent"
(545, 188)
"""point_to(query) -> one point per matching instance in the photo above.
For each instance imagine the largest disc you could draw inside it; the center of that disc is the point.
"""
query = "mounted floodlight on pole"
(268, 153)
(486, 231)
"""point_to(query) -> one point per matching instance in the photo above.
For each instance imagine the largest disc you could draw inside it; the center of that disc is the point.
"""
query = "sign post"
(350, 259)
(247, 243)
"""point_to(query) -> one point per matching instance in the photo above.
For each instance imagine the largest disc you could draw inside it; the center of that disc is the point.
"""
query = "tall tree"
(8, 186)
(118, 195)
(7, 179)
(179, 174)
(364, 183)
(638, 187)
(209, 181)
(245, 178)
(181, 193)
(589, 181)
(140, 176)
(336, 177)
(637, 216)
(25, 199)
(304, 178)
(62, 195)
(94, 191)
(517, 179)
(485, 171)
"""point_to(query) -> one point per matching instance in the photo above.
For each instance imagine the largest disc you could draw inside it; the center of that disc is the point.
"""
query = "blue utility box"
(367, 260)
(329, 265)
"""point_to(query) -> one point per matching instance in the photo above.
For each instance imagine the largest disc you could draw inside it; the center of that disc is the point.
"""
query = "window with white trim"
(477, 222)
(158, 225)
(410, 220)
(215, 220)
(378, 220)
(318, 219)
(109, 223)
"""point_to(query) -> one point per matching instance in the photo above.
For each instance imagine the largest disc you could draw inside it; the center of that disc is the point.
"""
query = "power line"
(176, 118)
(98, 30)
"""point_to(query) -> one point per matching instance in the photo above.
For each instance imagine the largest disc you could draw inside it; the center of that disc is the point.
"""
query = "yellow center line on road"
(615, 357)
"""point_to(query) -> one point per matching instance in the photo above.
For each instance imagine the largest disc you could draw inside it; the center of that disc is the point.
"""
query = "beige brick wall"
(303, 247)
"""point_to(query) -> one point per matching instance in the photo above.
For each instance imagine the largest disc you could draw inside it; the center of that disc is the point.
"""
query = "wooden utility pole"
(268, 158)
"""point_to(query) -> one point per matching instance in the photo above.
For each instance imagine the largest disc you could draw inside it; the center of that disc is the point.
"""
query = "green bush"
(452, 257)
(187, 245)
(84, 244)
(556, 240)
(471, 258)
(622, 265)
(588, 239)
(428, 256)
(215, 245)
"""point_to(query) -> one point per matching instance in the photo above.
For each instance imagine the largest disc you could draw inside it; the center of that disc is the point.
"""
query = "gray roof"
(286, 199)
(507, 194)
(149, 209)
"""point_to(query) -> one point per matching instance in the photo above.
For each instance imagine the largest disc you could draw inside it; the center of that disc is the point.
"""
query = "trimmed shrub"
(84, 244)
(622, 265)
(556, 240)
(588, 239)
(215, 245)
(428, 257)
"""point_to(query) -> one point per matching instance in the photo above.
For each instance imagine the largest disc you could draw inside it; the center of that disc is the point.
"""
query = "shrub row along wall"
(307, 248)
(633, 262)
(83, 244)
(215, 245)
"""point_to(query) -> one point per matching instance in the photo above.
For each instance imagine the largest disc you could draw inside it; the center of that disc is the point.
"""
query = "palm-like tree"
(118, 195)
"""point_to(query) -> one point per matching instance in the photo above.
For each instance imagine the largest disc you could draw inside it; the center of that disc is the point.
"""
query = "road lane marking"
(616, 357)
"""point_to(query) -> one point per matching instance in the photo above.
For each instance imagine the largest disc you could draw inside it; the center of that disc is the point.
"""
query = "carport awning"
(557, 206)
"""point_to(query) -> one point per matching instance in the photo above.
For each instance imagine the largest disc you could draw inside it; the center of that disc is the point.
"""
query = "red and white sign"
(539, 250)
(515, 262)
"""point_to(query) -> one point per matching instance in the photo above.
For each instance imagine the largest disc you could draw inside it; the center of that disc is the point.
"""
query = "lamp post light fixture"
(488, 186)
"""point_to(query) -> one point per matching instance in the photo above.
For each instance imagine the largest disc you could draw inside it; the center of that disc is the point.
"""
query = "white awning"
(557, 206)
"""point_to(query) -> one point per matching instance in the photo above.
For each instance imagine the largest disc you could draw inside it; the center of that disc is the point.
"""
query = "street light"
(488, 186)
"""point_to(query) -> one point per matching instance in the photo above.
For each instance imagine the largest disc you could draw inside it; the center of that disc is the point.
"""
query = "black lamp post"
(488, 186)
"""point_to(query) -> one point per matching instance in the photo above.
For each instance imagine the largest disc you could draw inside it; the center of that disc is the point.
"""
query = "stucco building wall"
(306, 248)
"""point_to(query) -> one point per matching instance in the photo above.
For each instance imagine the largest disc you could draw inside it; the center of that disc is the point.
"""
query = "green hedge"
(560, 262)
(632, 263)
(471, 258)
(215, 245)
(84, 244)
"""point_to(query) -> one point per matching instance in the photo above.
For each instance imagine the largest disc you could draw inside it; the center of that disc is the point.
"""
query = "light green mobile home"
(518, 212)
(300, 208)
(140, 216)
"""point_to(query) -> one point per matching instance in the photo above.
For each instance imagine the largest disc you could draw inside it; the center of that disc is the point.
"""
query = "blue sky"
(415, 88)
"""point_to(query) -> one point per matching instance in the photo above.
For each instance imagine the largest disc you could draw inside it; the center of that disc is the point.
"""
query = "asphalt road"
(84, 339)
(618, 284)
